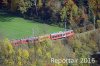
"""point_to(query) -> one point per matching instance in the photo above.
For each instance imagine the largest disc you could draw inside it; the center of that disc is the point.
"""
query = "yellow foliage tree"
(7, 53)
(25, 54)
(39, 3)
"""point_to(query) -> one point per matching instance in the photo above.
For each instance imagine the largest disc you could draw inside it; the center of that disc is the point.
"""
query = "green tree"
(69, 12)
(24, 5)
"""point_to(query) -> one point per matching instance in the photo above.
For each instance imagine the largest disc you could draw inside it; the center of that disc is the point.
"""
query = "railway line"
(53, 36)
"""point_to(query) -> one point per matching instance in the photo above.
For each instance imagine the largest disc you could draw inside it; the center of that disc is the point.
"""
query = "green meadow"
(15, 27)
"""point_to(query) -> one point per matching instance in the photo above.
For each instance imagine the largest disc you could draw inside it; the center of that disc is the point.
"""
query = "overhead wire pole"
(94, 22)
(65, 20)
(65, 23)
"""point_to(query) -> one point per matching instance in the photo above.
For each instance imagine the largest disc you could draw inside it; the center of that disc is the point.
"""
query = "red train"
(60, 35)
(53, 36)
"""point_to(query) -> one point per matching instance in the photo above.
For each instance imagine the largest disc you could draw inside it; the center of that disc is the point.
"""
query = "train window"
(27, 40)
(68, 33)
(53, 36)
(60, 34)
(56, 36)
(71, 31)
(63, 34)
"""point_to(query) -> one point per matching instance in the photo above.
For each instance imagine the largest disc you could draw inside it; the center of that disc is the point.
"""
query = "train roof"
(60, 32)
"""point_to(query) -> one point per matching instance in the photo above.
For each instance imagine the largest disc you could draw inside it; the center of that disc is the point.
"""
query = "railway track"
(54, 36)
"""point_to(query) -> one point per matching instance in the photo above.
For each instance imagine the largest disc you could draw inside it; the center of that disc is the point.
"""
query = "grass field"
(16, 27)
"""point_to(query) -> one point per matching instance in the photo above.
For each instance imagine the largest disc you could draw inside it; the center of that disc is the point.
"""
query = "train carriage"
(56, 36)
(60, 35)
(69, 33)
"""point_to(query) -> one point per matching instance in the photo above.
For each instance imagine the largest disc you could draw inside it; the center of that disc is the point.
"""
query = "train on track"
(53, 36)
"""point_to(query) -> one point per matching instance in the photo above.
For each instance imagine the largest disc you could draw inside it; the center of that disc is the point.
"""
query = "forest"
(76, 13)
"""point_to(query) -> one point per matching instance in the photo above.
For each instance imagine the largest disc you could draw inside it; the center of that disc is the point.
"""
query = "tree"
(40, 3)
(7, 53)
(94, 6)
(69, 12)
(23, 6)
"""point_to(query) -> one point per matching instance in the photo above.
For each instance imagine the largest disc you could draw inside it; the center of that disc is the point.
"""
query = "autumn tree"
(94, 7)
(69, 11)
(7, 53)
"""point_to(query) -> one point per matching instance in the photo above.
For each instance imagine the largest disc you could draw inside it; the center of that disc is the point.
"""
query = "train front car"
(69, 33)
(60, 35)
(56, 36)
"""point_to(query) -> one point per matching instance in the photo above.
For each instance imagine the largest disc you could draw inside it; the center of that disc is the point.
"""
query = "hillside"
(77, 44)
(40, 53)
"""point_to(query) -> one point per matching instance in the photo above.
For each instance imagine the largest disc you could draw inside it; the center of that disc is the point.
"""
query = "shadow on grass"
(8, 16)
(5, 17)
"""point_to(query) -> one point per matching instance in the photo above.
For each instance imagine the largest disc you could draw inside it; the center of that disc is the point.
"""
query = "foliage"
(80, 46)
(56, 11)
(24, 5)
(7, 53)
(39, 3)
